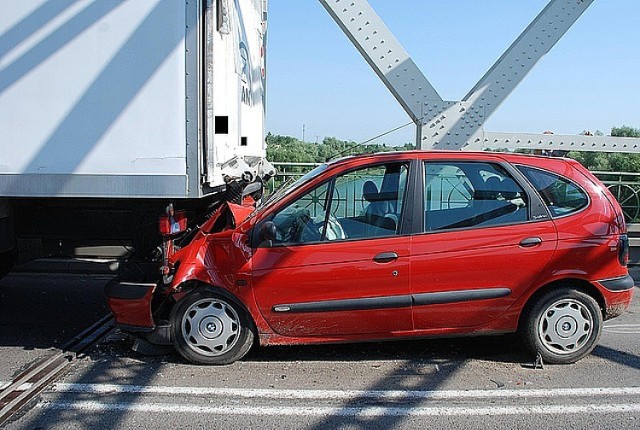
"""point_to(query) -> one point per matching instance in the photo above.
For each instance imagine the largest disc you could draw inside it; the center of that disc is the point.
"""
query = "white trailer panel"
(110, 72)
(104, 98)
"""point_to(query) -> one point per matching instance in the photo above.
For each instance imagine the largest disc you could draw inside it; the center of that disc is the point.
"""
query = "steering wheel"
(297, 226)
(308, 229)
(311, 229)
(334, 229)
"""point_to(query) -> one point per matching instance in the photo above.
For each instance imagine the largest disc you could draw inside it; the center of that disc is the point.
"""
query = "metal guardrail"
(625, 186)
(286, 171)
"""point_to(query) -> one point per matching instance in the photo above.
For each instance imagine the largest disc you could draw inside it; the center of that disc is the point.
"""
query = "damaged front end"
(138, 306)
(189, 258)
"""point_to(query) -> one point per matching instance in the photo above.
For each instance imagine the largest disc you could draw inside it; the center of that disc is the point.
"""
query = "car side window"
(302, 221)
(561, 196)
(368, 203)
(469, 194)
(364, 203)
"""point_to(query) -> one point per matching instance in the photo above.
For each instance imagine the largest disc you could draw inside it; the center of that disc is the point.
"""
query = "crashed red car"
(396, 246)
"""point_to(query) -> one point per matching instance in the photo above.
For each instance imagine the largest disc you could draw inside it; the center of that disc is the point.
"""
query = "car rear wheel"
(210, 329)
(563, 326)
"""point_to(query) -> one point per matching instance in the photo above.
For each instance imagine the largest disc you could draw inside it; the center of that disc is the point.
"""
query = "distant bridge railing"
(287, 171)
(625, 186)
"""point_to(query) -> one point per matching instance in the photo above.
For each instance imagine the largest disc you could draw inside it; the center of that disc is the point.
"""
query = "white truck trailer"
(110, 109)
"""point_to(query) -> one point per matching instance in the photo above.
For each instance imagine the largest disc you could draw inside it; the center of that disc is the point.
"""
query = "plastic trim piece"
(127, 290)
(347, 305)
(459, 296)
(394, 301)
(618, 284)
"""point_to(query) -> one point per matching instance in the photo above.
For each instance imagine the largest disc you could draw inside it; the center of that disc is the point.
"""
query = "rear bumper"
(130, 303)
(618, 293)
(618, 284)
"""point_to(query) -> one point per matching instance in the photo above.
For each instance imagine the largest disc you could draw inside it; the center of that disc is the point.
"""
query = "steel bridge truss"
(458, 125)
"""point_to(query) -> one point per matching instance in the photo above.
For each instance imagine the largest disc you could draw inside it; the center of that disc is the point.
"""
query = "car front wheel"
(563, 326)
(208, 328)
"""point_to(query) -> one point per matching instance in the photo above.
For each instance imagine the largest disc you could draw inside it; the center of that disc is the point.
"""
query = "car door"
(484, 242)
(335, 268)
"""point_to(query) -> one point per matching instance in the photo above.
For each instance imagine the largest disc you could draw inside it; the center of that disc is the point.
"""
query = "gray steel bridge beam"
(386, 56)
(495, 140)
(459, 125)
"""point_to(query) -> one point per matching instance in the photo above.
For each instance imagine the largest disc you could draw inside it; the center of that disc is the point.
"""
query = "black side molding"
(459, 296)
(127, 290)
(394, 301)
(347, 305)
(618, 284)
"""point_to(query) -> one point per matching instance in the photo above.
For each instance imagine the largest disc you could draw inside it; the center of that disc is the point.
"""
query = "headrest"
(369, 191)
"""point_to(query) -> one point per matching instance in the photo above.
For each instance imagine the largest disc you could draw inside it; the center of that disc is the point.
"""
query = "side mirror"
(268, 233)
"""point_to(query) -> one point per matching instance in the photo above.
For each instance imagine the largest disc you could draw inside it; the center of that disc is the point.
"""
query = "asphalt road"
(39, 312)
(475, 382)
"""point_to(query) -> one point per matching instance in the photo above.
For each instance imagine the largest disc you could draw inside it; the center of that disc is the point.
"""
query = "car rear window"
(561, 196)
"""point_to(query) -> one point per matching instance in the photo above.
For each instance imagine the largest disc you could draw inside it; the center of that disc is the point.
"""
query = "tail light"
(623, 249)
(172, 222)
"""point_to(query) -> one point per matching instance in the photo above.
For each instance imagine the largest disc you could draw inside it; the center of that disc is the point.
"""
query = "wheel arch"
(578, 284)
(221, 334)
(192, 285)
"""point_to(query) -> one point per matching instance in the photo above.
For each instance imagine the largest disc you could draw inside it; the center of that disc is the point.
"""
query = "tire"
(208, 328)
(563, 326)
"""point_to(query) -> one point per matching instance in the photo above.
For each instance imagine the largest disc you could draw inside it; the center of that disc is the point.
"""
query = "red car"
(395, 246)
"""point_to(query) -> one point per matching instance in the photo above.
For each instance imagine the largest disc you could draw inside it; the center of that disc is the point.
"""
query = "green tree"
(611, 161)
(289, 149)
(625, 131)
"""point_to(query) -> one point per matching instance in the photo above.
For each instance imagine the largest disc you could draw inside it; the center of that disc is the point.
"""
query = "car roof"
(528, 159)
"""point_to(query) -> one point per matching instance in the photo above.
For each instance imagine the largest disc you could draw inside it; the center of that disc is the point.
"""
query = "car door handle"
(385, 257)
(530, 242)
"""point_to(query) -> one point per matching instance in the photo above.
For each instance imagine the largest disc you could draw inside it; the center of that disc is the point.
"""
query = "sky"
(318, 81)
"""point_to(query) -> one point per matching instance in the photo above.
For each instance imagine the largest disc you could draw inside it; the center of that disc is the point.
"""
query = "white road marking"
(623, 328)
(372, 411)
(345, 394)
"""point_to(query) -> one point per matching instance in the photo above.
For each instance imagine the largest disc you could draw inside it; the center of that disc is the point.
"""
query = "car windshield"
(289, 185)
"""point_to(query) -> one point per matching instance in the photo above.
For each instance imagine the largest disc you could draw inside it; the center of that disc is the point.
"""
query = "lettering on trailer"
(244, 57)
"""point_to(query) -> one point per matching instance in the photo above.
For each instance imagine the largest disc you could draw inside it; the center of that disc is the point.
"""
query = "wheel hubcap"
(566, 326)
(210, 327)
